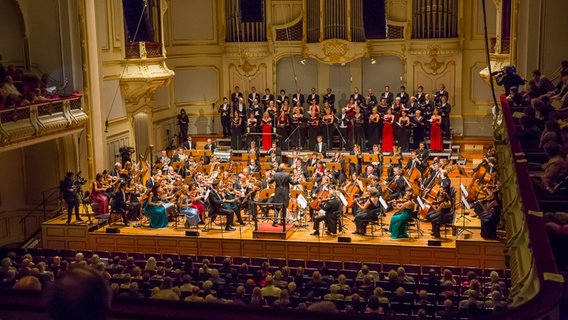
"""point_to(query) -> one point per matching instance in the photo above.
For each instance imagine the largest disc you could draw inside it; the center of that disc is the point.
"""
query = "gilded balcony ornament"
(335, 51)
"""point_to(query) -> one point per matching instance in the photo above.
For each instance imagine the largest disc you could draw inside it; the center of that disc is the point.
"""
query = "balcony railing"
(25, 122)
(537, 286)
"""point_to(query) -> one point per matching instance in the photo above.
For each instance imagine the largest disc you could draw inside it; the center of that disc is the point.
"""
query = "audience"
(170, 279)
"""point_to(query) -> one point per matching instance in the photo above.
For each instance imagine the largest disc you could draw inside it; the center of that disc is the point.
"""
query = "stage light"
(303, 61)
(373, 60)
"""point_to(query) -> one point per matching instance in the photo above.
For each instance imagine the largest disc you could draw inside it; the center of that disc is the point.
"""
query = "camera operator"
(68, 188)
(509, 78)
(125, 154)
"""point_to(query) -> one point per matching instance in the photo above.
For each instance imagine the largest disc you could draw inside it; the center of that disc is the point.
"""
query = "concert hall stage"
(471, 252)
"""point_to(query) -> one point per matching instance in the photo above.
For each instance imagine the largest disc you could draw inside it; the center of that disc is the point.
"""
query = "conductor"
(283, 181)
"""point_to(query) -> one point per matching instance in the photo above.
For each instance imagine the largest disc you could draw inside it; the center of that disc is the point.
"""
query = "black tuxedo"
(266, 99)
(298, 97)
(404, 97)
(388, 96)
(225, 111)
(331, 208)
(292, 162)
(323, 148)
(283, 180)
(357, 98)
(275, 159)
(216, 208)
(330, 98)
(312, 97)
(439, 95)
(312, 162)
(119, 204)
(189, 145)
(253, 96)
(280, 100)
(235, 97)
(420, 97)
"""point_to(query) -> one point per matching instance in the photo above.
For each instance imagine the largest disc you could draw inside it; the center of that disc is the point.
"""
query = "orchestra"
(185, 182)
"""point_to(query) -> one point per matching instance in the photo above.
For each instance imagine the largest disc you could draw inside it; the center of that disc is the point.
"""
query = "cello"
(319, 199)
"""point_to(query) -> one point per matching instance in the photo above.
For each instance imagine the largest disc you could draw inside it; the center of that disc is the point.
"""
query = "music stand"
(350, 159)
(464, 205)
(303, 204)
(177, 165)
(370, 158)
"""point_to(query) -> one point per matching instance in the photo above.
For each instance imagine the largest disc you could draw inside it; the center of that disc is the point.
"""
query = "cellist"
(395, 184)
(317, 194)
(353, 188)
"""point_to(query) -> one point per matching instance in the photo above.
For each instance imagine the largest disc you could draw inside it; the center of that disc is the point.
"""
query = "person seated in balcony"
(8, 89)
(555, 170)
(529, 135)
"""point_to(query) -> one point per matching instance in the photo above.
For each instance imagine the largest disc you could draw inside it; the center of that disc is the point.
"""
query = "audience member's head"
(80, 293)
(28, 283)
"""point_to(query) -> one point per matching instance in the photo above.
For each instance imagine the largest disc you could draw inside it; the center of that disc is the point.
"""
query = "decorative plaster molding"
(335, 51)
(141, 78)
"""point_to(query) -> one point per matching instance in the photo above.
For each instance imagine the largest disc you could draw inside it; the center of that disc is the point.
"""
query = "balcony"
(51, 119)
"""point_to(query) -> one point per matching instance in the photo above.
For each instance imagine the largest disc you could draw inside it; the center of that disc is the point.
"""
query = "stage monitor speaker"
(251, 10)
(112, 230)
(192, 233)
(343, 239)
(434, 243)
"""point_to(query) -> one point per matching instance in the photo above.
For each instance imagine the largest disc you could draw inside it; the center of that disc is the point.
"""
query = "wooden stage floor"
(468, 250)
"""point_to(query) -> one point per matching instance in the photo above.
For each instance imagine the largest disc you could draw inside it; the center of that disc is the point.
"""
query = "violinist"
(328, 213)
(253, 166)
(369, 171)
(274, 158)
(264, 202)
(115, 172)
(368, 211)
(398, 226)
(301, 168)
(313, 160)
(318, 171)
(216, 208)
(121, 202)
(378, 165)
(489, 211)
(154, 208)
(441, 213)
(339, 175)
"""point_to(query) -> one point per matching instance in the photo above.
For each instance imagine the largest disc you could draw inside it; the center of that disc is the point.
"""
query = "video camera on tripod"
(500, 73)
(79, 181)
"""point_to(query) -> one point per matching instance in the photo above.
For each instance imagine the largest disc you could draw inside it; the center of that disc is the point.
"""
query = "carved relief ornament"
(335, 51)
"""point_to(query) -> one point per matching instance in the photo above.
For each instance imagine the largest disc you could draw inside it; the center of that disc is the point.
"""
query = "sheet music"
(343, 200)
(302, 201)
(464, 190)
(420, 203)
(465, 203)
(383, 203)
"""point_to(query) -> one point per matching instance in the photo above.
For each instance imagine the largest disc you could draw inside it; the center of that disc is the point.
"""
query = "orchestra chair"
(376, 223)
(219, 218)
(114, 214)
(413, 225)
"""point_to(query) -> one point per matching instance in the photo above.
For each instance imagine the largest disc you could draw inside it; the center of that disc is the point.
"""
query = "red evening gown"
(266, 135)
(436, 135)
(388, 136)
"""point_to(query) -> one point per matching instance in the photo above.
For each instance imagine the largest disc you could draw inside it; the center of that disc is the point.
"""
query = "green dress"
(156, 214)
(398, 225)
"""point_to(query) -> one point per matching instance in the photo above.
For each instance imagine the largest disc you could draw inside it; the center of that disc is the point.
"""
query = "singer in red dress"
(266, 131)
(388, 136)
(436, 131)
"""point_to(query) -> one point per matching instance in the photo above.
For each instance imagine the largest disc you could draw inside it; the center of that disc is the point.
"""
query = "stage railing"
(537, 285)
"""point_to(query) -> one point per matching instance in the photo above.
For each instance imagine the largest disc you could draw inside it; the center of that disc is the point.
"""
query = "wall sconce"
(303, 61)
(373, 60)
